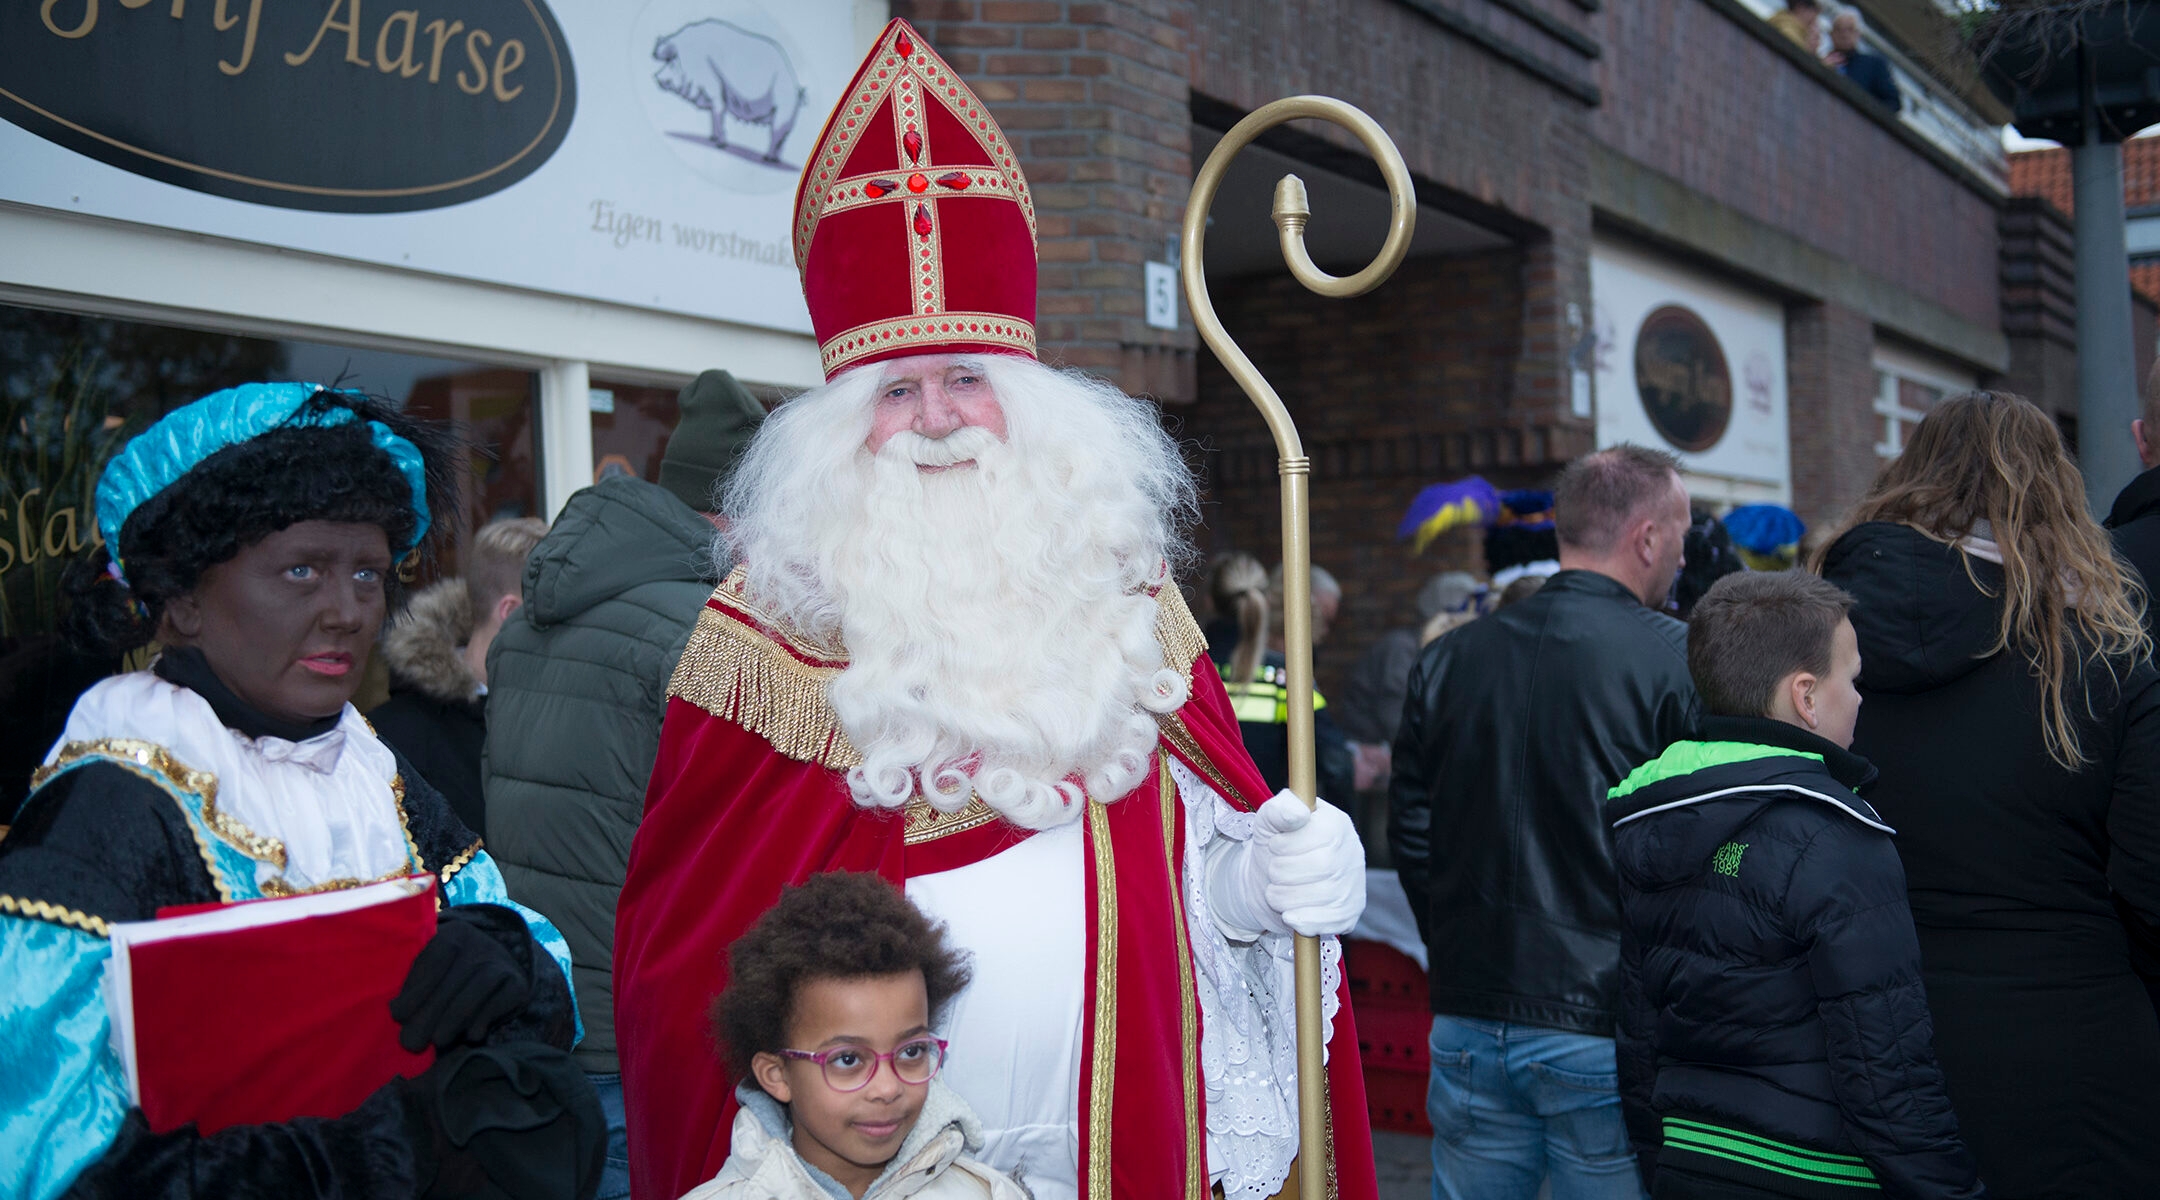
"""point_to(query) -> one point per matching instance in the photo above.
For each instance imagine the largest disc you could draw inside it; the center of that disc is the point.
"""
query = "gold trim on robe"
(1104, 1057)
(926, 824)
(157, 766)
(38, 910)
(1196, 1185)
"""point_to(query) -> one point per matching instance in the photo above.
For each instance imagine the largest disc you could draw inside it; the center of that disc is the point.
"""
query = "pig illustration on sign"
(729, 71)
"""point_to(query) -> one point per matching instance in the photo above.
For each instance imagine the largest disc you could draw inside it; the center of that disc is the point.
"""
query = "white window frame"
(1894, 364)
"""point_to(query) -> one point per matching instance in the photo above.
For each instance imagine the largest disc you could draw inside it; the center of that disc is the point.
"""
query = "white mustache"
(959, 446)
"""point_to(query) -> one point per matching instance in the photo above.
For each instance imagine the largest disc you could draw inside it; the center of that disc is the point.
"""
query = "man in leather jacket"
(1515, 727)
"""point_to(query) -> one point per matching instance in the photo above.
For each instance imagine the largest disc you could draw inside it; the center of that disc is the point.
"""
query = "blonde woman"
(1238, 637)
(1253, 672)
(2012, 708)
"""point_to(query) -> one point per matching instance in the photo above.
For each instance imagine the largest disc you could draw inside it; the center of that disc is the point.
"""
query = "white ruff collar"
(328, 799)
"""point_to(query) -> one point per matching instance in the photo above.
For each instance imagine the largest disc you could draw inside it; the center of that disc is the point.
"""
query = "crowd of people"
(1851, 880)
(867, 814)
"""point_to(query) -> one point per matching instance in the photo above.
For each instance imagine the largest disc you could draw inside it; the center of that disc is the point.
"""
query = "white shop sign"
(1690, 363)
(639, 204)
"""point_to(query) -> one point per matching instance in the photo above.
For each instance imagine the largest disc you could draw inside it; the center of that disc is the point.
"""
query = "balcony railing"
(1931, 109)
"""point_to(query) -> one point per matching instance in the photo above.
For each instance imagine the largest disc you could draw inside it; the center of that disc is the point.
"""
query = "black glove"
(465, 980)
(518, 1121)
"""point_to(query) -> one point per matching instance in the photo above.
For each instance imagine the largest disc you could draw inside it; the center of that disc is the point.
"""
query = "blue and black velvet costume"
(117, 832)
(114, 833)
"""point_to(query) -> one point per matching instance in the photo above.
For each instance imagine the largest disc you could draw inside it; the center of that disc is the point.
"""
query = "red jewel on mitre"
(914, 230)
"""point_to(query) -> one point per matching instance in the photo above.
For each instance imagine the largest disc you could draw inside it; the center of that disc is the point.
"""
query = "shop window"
(631, 424)
(630, 428)
(499, 473)
(74, 389)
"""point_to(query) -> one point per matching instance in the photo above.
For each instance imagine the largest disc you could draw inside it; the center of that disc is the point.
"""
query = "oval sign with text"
(357, 106)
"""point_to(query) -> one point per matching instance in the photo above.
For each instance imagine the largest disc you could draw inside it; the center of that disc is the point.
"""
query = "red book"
(266, 1010)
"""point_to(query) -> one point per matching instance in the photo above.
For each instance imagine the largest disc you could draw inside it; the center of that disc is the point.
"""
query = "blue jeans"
(1513, 1105)
(615, 1175)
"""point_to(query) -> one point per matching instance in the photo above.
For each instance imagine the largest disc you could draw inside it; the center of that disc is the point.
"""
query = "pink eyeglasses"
(851, 1068)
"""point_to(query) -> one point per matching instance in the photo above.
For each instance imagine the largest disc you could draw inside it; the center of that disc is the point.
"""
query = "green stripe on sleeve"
(1771, 1144)
(1867, 1185)
(1791, 1161)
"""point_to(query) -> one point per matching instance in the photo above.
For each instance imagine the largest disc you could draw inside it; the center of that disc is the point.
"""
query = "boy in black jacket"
(1774, 1037)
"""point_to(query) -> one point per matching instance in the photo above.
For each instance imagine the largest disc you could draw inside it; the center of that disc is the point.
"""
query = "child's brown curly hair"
(836, 926)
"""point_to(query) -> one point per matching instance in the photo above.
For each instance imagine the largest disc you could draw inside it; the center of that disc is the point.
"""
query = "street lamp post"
(2083, 72)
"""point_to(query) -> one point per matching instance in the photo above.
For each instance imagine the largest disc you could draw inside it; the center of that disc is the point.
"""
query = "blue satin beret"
(159, 456)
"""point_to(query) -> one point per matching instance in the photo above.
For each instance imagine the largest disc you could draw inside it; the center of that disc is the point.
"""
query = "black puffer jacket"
(1516, 726)
(2021, 873)
(2134, 523)
(1773, 1027)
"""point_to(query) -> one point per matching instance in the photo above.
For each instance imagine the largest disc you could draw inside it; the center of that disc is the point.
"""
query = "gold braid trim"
(1177, 631)
(458, 864)
(397, 797)
(155, 765)
(1188, 1014)
(1180, 735)
(1102, 1087)
(927, 824)
(245, 840)
(38, 910)
(748, 674)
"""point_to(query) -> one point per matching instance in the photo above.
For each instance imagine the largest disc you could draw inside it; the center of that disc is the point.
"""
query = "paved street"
(1405, 1165)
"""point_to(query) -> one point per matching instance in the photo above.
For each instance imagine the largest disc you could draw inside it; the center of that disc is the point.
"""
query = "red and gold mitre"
(914, 231)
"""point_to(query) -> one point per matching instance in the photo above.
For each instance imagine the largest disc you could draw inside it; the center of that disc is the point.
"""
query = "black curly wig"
(835, 926)
(302, 470)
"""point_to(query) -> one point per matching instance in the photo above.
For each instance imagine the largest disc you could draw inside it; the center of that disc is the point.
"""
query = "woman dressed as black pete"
(253, 536)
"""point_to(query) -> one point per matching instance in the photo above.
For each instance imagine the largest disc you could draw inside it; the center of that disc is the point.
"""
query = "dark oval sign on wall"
(331, 105)
(1681, 375)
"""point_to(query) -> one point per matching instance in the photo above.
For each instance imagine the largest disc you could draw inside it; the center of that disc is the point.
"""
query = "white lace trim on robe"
(327, 798)
(1248, 1004)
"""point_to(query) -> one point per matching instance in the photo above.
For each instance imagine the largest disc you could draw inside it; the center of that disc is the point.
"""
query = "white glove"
(1302, 872)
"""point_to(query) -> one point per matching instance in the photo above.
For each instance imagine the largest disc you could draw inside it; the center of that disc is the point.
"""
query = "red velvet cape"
(730, 821)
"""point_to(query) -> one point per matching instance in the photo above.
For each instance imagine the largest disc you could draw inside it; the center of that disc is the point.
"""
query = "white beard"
(997, 616)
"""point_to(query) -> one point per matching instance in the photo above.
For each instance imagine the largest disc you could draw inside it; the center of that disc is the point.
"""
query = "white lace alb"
(1248, 1002)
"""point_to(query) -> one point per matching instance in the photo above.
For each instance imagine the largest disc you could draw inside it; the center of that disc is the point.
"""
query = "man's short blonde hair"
(497, 565)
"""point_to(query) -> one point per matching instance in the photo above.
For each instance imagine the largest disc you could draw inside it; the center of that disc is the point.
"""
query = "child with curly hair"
(827, 1020)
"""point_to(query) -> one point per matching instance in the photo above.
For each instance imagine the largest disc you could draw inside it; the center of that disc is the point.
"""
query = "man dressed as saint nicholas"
(953, 654)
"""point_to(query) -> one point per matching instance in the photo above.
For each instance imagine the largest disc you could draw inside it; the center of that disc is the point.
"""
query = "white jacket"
(932, 1163)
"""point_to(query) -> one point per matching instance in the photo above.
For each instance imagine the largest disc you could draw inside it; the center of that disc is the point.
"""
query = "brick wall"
(1458, 364)
(1829, 356)
(1691, 94)
(1392, 391)
(1486, 133)
(1095, 98)
(2039, 304)
(1455, 365)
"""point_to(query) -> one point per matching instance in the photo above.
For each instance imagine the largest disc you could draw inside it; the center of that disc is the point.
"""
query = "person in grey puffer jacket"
(577, 683)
